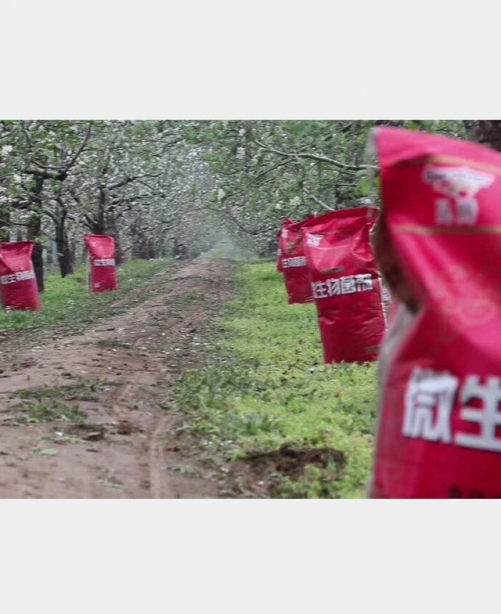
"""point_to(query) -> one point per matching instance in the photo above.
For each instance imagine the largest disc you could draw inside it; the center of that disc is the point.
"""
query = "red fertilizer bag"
(296, 274)
(282, 238)
(438, 243)
(346, 284)
(18, 285)
(103, 273)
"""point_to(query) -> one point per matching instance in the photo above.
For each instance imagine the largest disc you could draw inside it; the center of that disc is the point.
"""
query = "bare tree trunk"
(37, 258)
(64, 255)
(151, 249)
(4, 224)
(65, 258)
(140, 248)
(120, 256)
(73, 254)
(49, 258)
(104, 225)
(34, 232)
(119, 252)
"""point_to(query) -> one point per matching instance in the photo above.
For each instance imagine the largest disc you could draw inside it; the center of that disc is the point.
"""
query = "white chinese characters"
(342, 285)
(430, 401)
(15, 277)
(295, 262)
(488, 418)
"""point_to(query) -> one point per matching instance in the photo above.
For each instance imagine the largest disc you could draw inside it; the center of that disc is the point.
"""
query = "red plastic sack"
(293, 262)
(18, 284)
(346, 284)
(282, 238)
(440, 367)
(103, 273)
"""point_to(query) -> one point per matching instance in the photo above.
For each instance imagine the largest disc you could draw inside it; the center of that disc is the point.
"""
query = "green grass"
(42, 410)
(187, 299)
(69, 302)
(82, 391)
(265, 385)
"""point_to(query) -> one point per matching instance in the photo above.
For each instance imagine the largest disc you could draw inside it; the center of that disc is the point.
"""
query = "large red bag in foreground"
(18, 285)
(293, 263)
(346, 284)
(440, 367)
(103, 273)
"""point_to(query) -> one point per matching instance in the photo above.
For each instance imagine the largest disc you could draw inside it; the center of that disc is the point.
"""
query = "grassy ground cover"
(68, 301)
(263, 388)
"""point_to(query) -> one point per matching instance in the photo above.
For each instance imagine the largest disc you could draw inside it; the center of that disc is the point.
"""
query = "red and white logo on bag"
(292, 262)
(430, 400)
(345, 284)
(313, 240)
(15, 277)
(18, 286)
(439, 425)
(460, 185)
(296, 261)
(101, 250)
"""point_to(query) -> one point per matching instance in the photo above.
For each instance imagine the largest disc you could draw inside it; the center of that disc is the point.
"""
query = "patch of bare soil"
(86, 416)
(264, 467)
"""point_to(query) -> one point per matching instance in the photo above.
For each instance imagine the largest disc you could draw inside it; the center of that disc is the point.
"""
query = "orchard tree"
(40, 155)
(269, 170)
(157, 186)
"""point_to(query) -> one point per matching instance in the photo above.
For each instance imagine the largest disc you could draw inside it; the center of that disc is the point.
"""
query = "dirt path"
(86, 417)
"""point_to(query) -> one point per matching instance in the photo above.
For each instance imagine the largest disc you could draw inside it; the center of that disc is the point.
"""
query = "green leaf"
(365, 187)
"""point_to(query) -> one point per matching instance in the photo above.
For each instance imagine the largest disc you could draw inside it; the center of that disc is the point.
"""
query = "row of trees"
(268, 169)
(155, 185)
(137, 181)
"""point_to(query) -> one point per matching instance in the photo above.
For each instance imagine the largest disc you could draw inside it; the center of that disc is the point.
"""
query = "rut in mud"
(86, 416)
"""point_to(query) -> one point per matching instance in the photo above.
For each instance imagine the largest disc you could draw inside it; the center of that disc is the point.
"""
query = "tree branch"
(81, 148)
(63, 170)
(252, 233)
(25, 225)
(317, 200)
(317, 157)
(127, 180)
